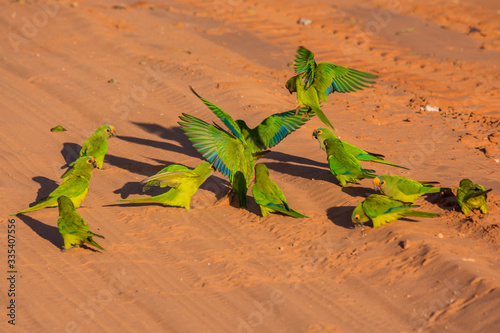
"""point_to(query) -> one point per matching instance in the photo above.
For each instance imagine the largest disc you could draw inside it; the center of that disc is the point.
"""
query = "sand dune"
(218, 268)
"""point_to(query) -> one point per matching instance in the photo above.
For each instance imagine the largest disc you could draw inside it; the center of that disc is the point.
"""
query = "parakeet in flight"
(381, 210)
(404, 189)
(472, 196)
(344, 166)
(183, 183)
(75, 186)
(72, 226)
(268, 133)
(323, 133)
(314, 82)
(228, 153)
(97, 144)
(269, 196)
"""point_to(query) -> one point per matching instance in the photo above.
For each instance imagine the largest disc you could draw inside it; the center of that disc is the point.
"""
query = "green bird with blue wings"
(323, 133)
(343, 165)
(183, 181)
(314, 82)
(75, 186)
(268, 195)
(382, 210)
(268, 133)
(72, 226)
(472, 196)
(405, 189)
(227, 152)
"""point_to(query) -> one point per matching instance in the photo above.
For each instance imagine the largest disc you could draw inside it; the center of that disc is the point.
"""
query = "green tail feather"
(47, 203)
(368, 173)
(388, 163)
(417, 213)
(322, 117)
(92, 242)
(142, 200)
(291, 212)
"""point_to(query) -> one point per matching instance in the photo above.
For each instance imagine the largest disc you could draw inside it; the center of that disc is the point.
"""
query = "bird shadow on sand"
(171, 134)
(446, 200)
(141, 168)
(43, 230)
(357, 191)
(70, 152)
(284, 157)
(303, 171)
(341, 216)
(46, 187)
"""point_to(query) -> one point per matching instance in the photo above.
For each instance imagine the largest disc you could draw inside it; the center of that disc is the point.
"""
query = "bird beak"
(376, 181)
(315, 134)
(113, 131)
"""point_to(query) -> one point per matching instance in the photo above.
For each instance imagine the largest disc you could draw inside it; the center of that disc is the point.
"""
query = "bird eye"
(108, 130)
(89, 161)
(383, 182)
(319, 131)
(356, 217)
(325, 143)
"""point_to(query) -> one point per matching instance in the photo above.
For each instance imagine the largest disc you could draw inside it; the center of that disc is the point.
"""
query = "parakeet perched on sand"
(314, 82)
(405, 189)
(381, 210)
(184, 185)
(472, 196)
(75, 186)
(323, 133)
(344, 166)
(269, 196)
(97, 144)
(72, 226)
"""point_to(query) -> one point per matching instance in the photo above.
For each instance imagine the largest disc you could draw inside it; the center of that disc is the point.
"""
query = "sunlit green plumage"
(75, 186)
(314, 82)
(170, 168)
(344, 166)
(184, 184)
(405, 189)
(227, 153)
(268, 133)
(382, 210)
(472, 196)
(72, 226)
(269, 196)
(323, 133)
(97, 144)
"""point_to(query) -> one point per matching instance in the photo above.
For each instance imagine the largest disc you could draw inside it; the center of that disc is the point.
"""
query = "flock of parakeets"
(234, 151)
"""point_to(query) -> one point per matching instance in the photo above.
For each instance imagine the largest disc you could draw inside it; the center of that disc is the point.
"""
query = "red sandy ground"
(218, 268)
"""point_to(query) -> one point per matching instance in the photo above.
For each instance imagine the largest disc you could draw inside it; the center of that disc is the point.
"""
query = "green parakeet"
(97, 144)
(314, 82)
(72, 226)
(184, 185)
(472, 196)
(404, 189)
(323, 133)
(228, 153)
(381, 210)
(75, 186)
(269, 196)
(268, 133)
(170, 168)
(344, 166)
